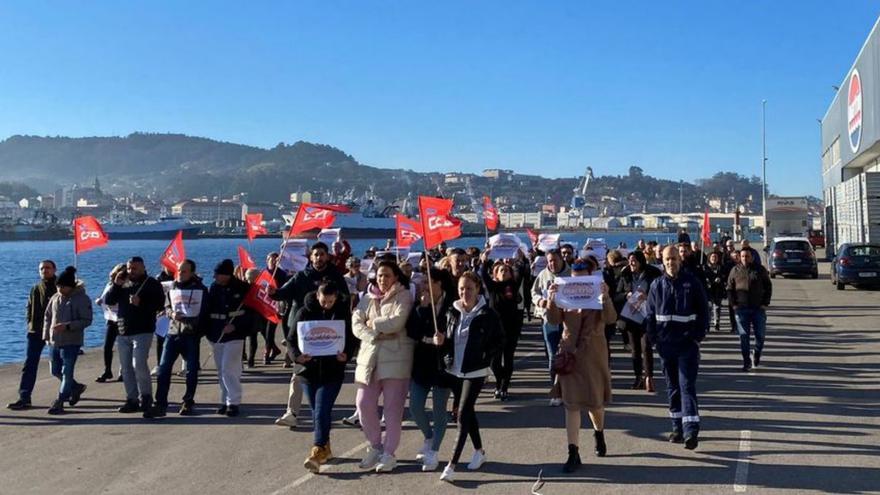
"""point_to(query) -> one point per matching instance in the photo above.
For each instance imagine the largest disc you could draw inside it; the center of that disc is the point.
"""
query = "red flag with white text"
(244, 259)
(314, 216)
(258, 297)
(438, 224)
(490, 214)
(254, 224)
(88, 234)
(409, 231)
(174, 253)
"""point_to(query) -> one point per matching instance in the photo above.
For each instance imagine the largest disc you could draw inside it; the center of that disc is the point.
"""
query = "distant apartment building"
(198, 210)
(270, 211)
(301, 197)
(497, 174)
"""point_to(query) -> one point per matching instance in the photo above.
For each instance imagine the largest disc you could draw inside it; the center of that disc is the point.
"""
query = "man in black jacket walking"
(36, 309)
(749, 289)
(140, 297)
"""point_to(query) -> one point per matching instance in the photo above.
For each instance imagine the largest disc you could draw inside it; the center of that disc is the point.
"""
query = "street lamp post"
(764, 168)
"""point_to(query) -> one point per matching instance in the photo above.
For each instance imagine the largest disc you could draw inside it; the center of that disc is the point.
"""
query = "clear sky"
(538, 87)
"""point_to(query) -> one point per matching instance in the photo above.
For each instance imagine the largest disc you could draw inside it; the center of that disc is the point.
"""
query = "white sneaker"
(154, 371)
(353, 420)
(387, 463)
(371, 458)
(430, 461)
(448, 474)
(426, 447)
(477, 460)
(555, 402)
(382, 421)
(288, 419)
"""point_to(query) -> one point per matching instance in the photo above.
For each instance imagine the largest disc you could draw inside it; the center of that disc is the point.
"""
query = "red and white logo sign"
(854, 111)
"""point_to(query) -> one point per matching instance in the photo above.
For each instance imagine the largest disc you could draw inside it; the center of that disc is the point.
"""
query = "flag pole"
(431, 291)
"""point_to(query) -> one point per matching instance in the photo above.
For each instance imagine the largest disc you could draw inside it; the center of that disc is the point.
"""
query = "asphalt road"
(806, 421)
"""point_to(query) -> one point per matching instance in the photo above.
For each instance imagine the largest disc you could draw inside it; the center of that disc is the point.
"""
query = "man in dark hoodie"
(184, 335)
(36, 309)
(749, 290)
(68, 313)
(229, 324)
(139, 297)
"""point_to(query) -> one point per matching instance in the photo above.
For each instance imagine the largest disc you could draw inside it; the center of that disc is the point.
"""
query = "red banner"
(314, 216)
(244, 259)
(87, 234)
(438, 224)
(409, 231)
(707, 239)
(490, 214)
(174, 253)
(258, 297)
(254, 224)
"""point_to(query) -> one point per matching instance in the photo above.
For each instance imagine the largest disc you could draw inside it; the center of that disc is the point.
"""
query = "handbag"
(564, 362)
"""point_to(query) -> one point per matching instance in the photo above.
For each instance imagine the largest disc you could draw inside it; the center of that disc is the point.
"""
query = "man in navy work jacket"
(678, 319)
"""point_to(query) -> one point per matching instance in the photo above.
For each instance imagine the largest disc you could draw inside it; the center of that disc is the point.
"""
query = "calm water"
(19, 261)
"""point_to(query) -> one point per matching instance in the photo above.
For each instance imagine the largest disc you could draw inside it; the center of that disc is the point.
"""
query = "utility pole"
(764, 168)
(680, 197)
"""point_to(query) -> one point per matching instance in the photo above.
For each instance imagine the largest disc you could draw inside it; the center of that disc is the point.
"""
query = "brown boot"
(315, 459)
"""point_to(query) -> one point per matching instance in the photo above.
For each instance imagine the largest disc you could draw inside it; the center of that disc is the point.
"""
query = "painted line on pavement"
(741, 478)
(306, 477)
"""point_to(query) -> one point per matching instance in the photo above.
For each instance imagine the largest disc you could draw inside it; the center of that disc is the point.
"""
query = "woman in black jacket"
(636, 279)
(427, 372)
(504, 297)
(473, 339)
(322, 376)
(716, 286)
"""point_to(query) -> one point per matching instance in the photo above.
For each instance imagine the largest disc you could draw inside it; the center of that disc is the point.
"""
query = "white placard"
(186, 302)
(504, 246)
(538, 265)
(329, 236)
(321, 337)
(162, 325)
(167, 285)
(579, 292)
(111, 313)
(293, 258)
(414, 259)
(367, 265)
(546, 242)
(635, 310)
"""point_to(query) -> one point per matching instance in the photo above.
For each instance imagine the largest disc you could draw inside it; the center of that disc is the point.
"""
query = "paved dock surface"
(807, 421)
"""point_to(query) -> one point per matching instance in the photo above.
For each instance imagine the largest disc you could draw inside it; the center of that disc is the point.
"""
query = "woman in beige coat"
(588, 387)
(384, 363)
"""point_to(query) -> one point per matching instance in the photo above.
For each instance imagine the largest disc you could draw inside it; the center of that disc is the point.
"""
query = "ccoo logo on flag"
(854, 111)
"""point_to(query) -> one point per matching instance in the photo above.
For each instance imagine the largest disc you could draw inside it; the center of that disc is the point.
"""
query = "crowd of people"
(442, 328)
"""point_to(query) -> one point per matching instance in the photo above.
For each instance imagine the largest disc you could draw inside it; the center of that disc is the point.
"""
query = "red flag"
(87, 234)
(707, 240)
(174, 253)
(409, 231)
(314, 216)
(490, 214)
(244, 259)
(533, 236)
(254, 224)
(258, 297)
(438, 224)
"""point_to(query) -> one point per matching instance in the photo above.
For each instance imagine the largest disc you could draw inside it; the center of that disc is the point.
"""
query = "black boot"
(676, 436)
(574, 459)
(147, 406)
(691, 441)
(599, 436)
(57, 407)
(130, 406)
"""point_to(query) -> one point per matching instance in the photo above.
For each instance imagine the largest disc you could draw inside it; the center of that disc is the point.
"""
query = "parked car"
(816, 237)
(857, 265)
(792, 255)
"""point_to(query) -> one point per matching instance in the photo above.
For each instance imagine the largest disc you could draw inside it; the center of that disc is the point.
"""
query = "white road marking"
(306, 477)
(741, 479)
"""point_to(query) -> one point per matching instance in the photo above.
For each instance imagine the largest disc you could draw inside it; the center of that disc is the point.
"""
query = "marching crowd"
(441, 328)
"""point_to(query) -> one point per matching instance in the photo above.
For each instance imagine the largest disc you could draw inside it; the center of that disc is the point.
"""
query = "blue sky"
(538, 87)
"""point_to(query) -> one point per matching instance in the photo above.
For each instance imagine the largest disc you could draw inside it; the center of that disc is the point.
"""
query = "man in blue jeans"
(36, 309)
(556, 267)
(749, 290)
